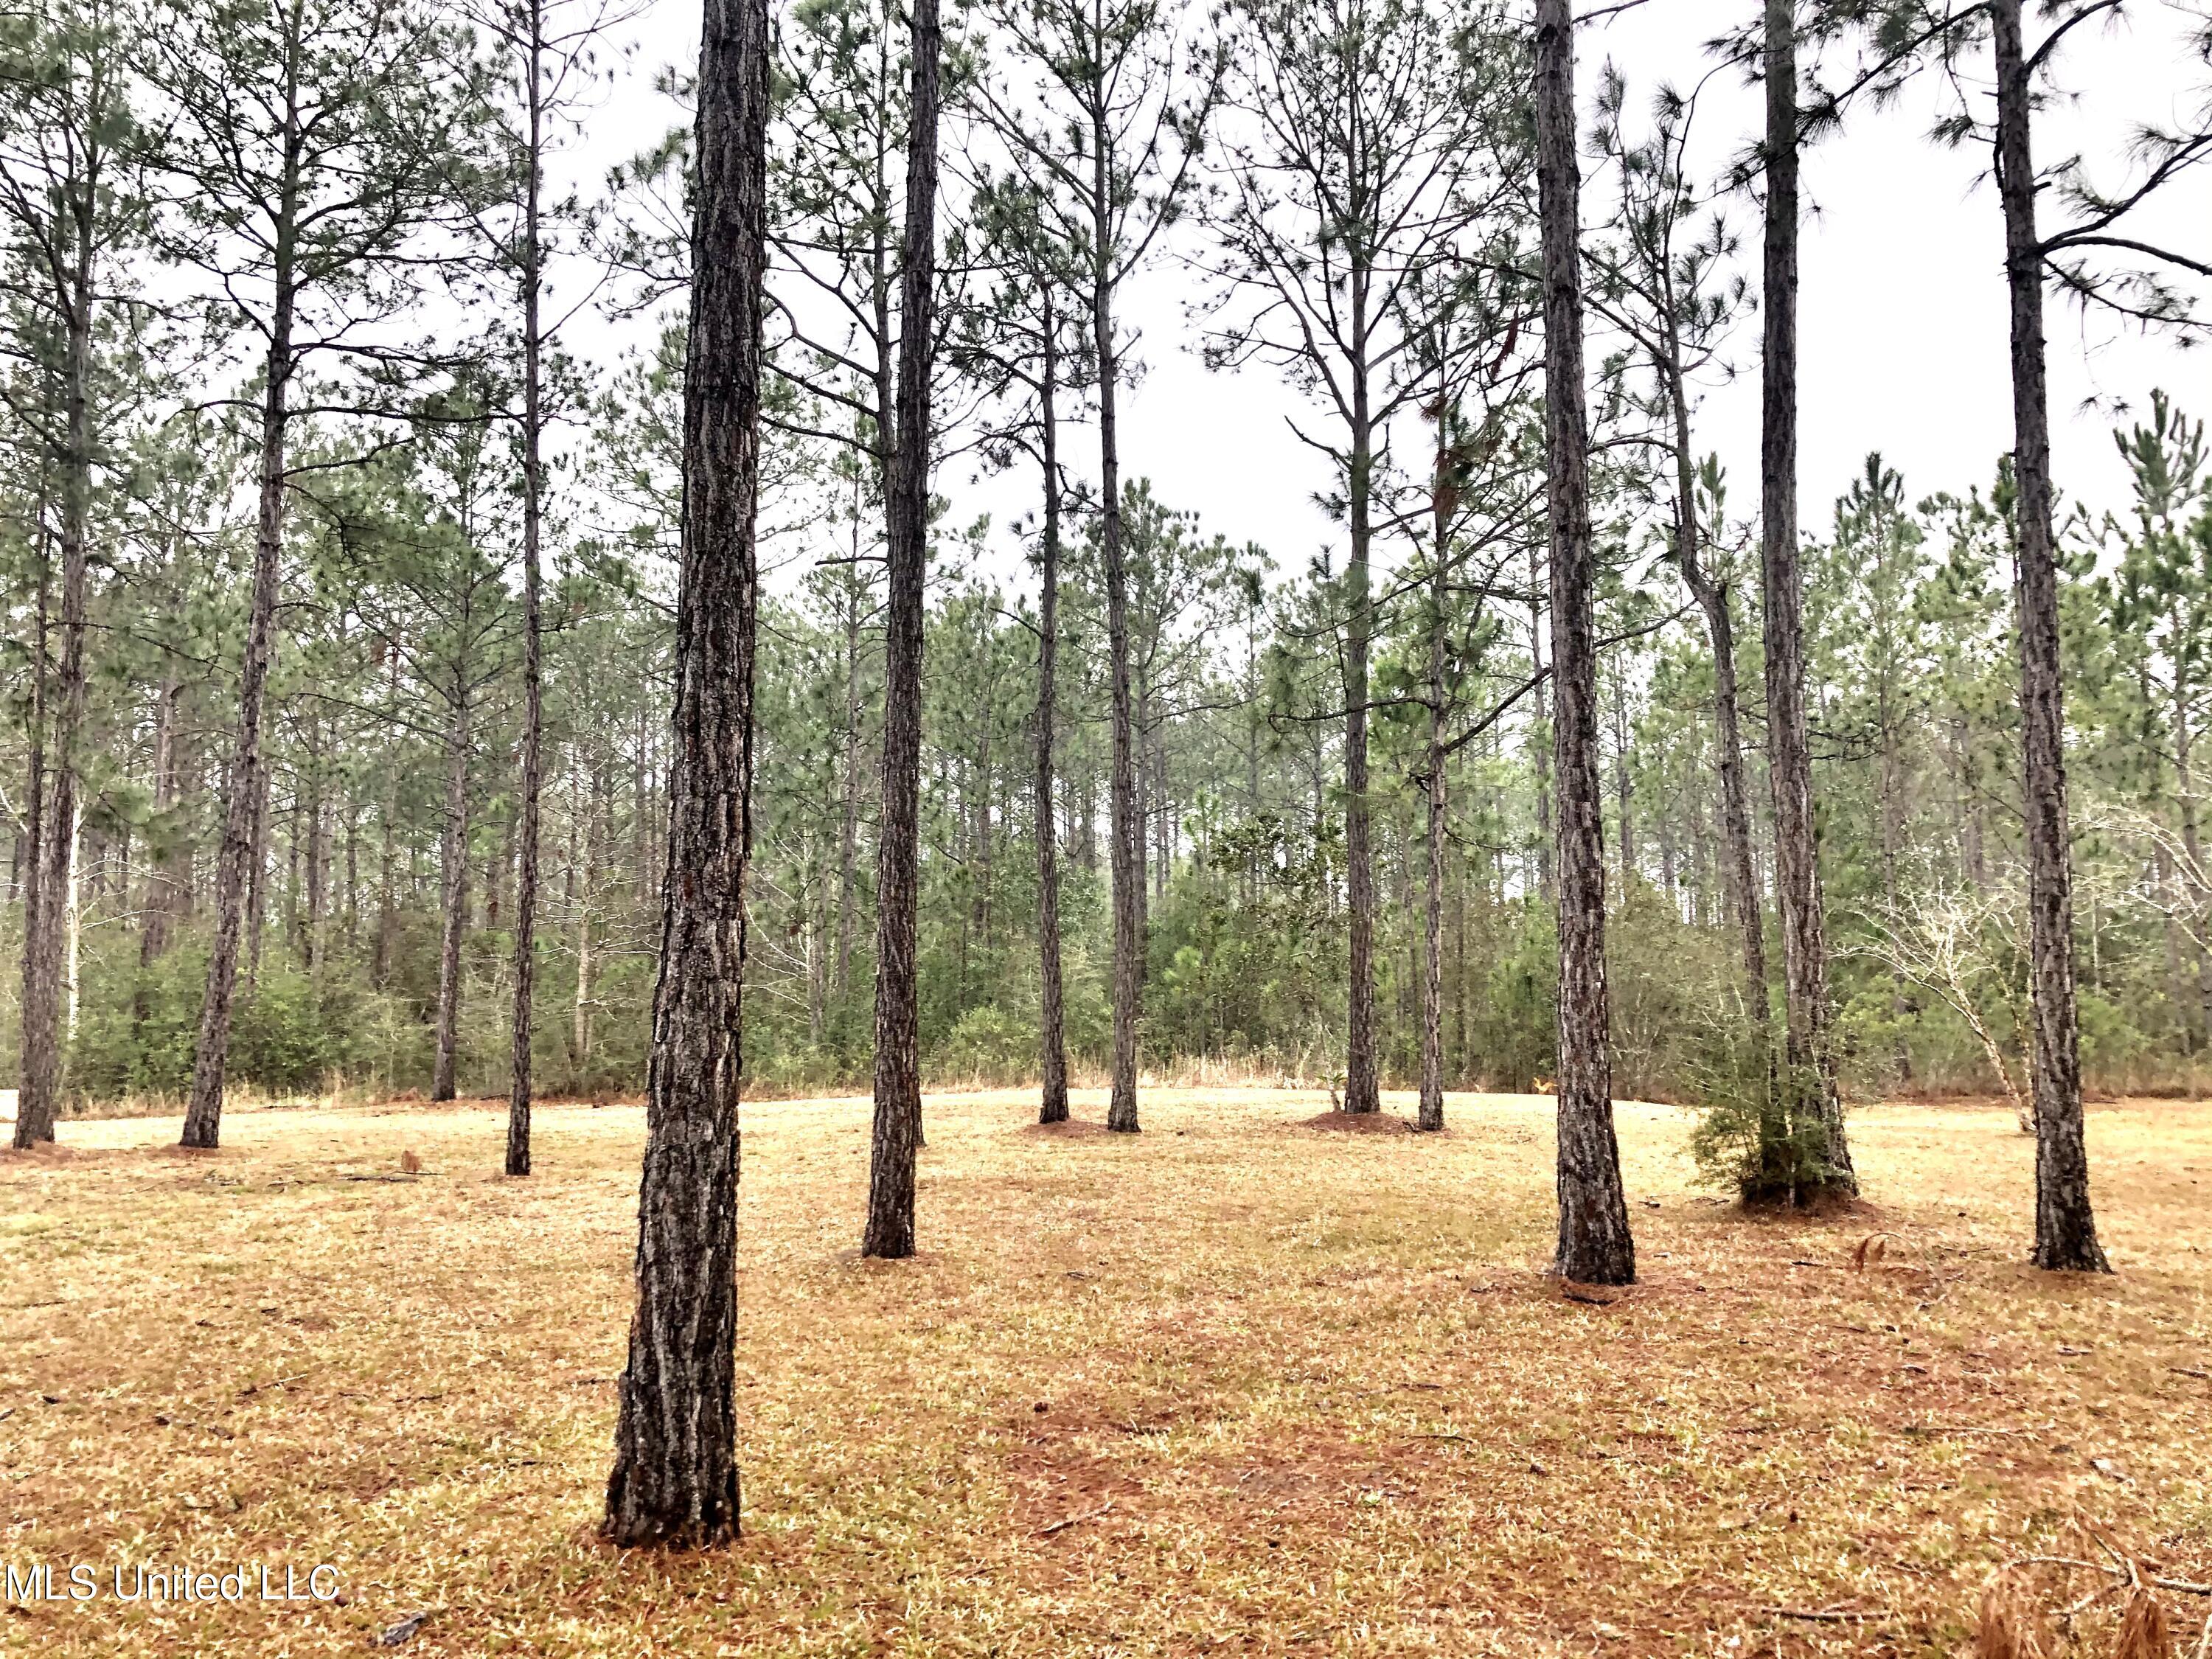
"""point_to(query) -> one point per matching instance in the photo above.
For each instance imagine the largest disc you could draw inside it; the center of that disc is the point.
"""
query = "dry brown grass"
(1238, 1385)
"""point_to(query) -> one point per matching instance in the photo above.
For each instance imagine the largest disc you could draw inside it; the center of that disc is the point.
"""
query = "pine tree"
(675, 1478)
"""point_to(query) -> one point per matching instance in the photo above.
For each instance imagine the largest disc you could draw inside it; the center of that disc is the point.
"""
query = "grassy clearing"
(1239, 1385)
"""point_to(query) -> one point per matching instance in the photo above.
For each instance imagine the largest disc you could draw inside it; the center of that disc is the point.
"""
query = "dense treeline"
(1297, 737)
(396, 675)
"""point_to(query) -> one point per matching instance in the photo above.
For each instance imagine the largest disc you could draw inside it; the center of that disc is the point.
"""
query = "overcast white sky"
(1902, 306)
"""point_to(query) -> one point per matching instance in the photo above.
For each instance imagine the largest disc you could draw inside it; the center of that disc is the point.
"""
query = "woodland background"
(379, 946)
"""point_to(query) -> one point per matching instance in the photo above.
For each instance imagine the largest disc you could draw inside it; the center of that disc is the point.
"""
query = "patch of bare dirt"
(44, 1151)
(1360, 1123)
(1073, 1128)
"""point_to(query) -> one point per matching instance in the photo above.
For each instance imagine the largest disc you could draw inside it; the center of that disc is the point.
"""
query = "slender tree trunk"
(161, 901)
(1362, 1086)
(248, 781)
(2192, 846)
(1816, 1108)
(257, 880)
(1545, 835)
(1739, 879)
(2065, 1226)
(352, 873)
(1126, 832)
(533, 671)
(580, 1027)
(453, 893)
(1431, 1114)
(316, 875)
(1051, 1036)
(72, 934)
(848, 835)
(1459, 1055)
(46, 947)
(1624, 787)
(985, 791)
(675, 1477)
(1594, 1245)
(1146, 802)
(387, 896)
(39, 1078)
(1253, 716)
(889, 1229)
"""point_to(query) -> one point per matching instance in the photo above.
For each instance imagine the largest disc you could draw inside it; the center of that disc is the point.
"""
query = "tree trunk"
(453, 893)
(1545, 835)
(1051, 1036)
(2065, 1226)
(849, 835)
(1739, 879)
(675, 1477)
(72, 933)
(2192, 845)
(248, 781)
(387, 897)
(1125, 830)
(313, 938)
(1431, 1113)
(889, 1229)
(1623, 788)
(1362, 1087)
(1594, 1246)
(40, 1060)
(1816, 1109)
(533, 691)
(257, 880)
(39, 1102)
(580, 1027)
(161, 901)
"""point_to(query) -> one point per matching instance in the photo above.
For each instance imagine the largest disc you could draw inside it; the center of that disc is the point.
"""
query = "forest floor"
(1238, 1385)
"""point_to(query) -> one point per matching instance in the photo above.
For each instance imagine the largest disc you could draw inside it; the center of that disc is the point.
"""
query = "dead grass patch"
(1301, 1393)
(1073, 1128)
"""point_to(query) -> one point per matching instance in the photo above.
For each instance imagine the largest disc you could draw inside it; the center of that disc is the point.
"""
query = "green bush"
(1745, 1139)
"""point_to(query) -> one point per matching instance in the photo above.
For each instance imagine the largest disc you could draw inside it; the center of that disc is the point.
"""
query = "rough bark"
(1816, 1107)
(533, 689)
(889, 1229)
(247, 781)
(1594, 1246)
(2065, 1225)
(1051, 1035)
(1126, 825)
(675, 1477)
